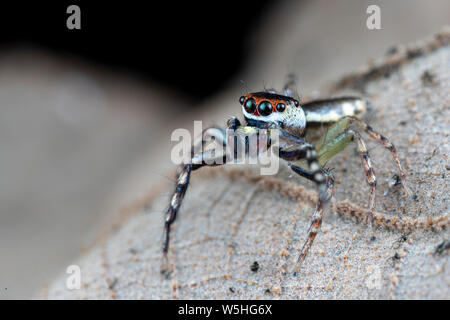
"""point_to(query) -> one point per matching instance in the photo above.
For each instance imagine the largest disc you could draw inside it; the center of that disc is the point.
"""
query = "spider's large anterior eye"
(281, 107)
(265, 108)
(296, 103)
(242, 99)
(250, 105)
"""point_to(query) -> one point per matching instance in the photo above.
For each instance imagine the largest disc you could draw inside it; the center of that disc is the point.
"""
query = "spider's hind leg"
(340, 135)
(337, 137)
(342, 112)
(388, 145)
(371, 179)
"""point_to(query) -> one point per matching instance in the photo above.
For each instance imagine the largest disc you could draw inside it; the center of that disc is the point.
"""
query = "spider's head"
(262, 109)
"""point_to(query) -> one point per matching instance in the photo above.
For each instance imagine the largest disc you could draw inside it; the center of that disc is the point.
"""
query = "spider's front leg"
(325, 184)
(197, 161)
(316, 221)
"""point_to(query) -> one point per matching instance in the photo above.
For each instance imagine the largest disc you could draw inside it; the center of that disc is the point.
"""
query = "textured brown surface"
(231, 218)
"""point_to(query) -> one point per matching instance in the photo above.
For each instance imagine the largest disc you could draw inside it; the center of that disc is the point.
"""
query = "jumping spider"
(272, 111)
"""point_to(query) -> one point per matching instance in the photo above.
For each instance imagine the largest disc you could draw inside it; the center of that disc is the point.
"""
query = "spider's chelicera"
(272, 111)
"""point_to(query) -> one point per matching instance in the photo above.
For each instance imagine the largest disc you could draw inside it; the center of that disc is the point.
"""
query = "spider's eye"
(250, 105)
(296, 103)
(265, 108)
(242, 99)
(281, 107)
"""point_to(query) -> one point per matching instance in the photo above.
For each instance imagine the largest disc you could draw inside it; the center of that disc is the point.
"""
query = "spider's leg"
(343, 111)
(178, 195)
(385, 143)
(335, 140)
(339, 136)
(316, 220)
(171, 214)
(323, 182)
(197, 161)
(368, 169)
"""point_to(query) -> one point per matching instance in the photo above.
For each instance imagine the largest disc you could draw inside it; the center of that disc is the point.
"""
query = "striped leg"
(387, 144)
(316, 174)
(324, 184)
(368, 169)
(197, 161)
(171, 214)
(316, 220)
(177, 198)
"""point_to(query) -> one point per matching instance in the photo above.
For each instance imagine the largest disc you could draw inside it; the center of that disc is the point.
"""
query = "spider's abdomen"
(332, 110)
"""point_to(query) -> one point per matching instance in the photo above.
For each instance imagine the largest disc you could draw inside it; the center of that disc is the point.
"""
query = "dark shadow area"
(192, 46)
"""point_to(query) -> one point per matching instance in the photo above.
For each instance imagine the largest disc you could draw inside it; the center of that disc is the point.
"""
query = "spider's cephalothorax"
(265, 109)
(270, 110)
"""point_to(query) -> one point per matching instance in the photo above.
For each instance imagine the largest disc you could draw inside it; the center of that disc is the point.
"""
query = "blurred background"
(86, 115)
